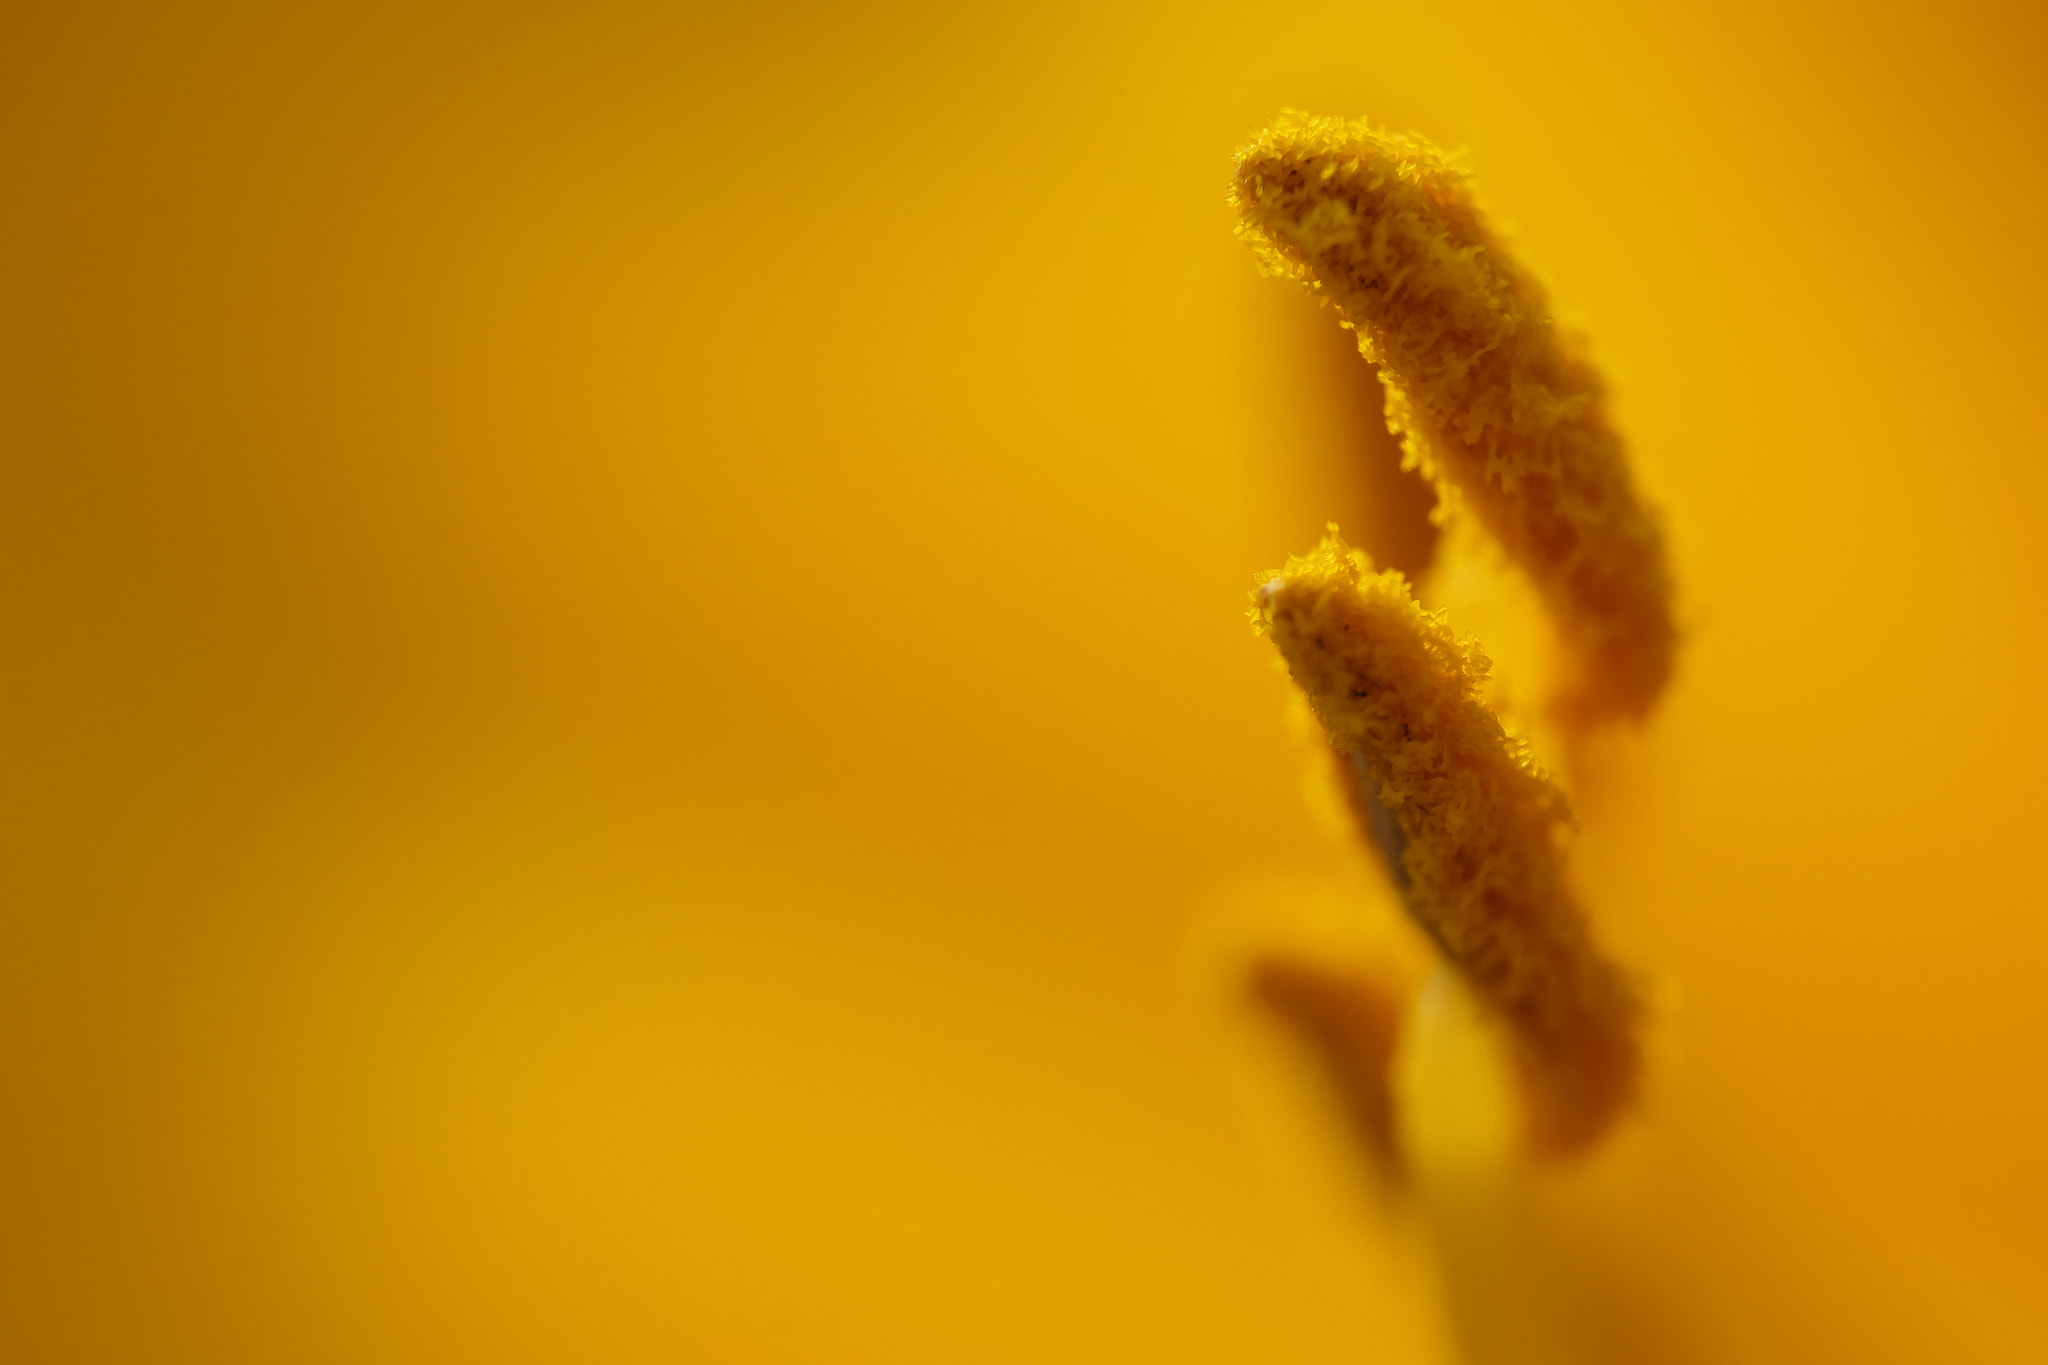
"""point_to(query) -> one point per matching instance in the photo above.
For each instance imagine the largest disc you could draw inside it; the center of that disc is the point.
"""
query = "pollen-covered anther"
(1479, 846)
(1491, 400)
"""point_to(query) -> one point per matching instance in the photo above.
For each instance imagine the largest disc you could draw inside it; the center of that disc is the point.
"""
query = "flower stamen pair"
(1501, 411)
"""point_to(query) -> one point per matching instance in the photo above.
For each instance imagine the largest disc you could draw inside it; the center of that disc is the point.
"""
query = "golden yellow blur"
(624, 699)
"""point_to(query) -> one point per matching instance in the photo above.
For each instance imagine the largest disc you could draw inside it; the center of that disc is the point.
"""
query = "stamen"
(1480, 826)
(1491, 401)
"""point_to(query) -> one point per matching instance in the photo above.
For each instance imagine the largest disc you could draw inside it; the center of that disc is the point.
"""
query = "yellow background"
(623, 672)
